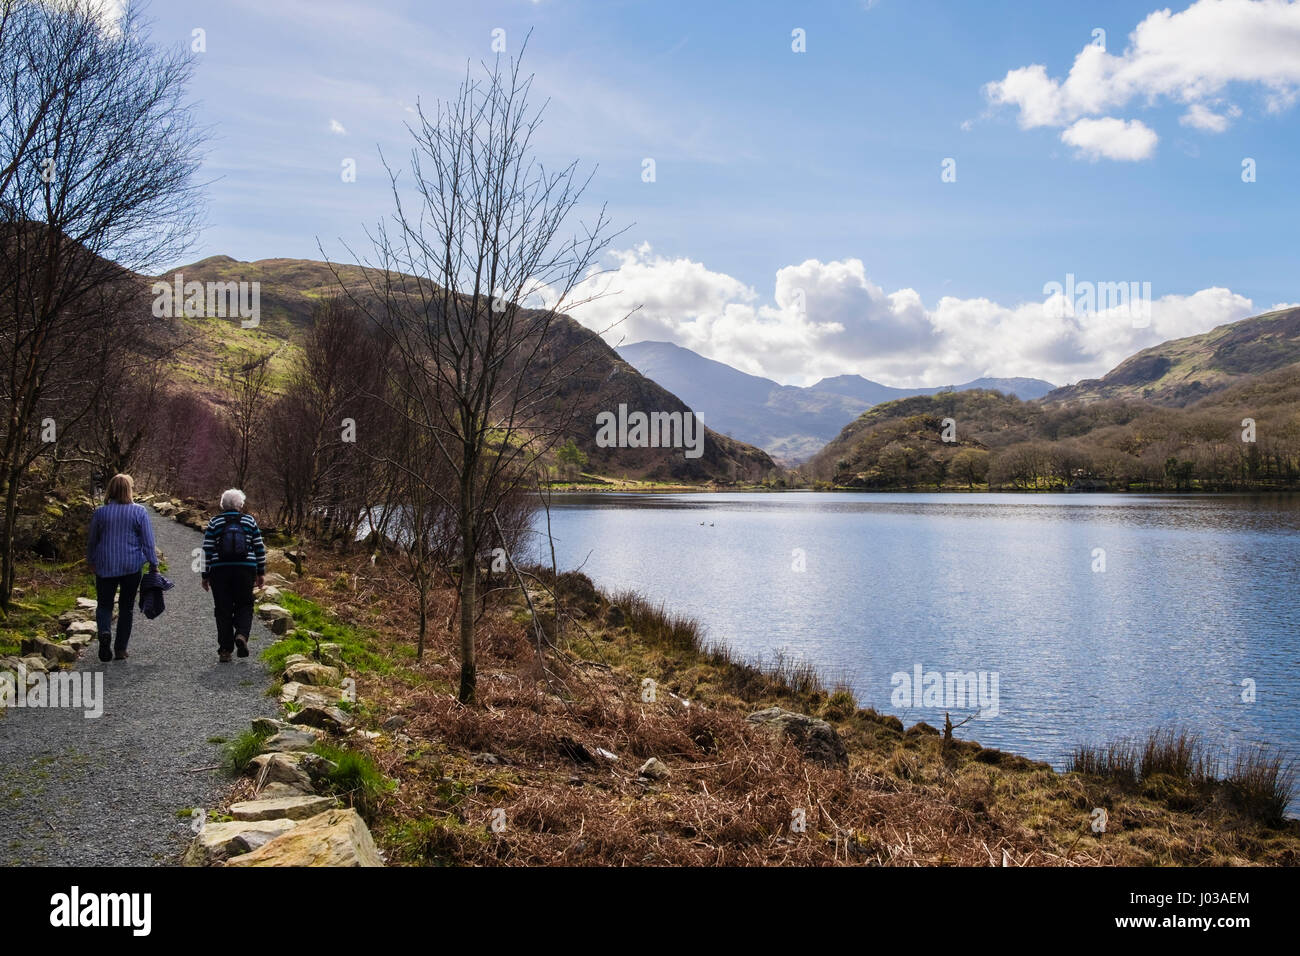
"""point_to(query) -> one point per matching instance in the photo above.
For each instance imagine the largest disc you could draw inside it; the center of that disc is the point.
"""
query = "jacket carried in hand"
(152, 586)
(255, 557)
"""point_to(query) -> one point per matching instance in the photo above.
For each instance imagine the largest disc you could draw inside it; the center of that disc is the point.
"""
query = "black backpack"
(233, 543)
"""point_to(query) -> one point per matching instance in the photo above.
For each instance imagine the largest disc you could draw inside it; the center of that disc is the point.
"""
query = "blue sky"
(818, 171)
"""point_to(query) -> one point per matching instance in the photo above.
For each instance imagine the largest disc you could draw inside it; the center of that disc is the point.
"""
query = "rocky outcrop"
(813, 737)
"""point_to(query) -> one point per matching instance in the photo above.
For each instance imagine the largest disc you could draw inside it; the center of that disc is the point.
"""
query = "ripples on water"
(1199, 593)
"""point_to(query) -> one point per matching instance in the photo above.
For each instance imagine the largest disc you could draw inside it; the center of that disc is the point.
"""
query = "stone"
(325, 718)
(80, 641)
(814, 738)
(333, 838)
(277, 791)
(278, 619)
(291, 808)
(278, 565)
(274, 580)
(654, 769)
(83, 627)
(34, 663)
(269, 725)
(306, 694)
(318, 768)
(282, 768)
(60, 653)
(309, 672)
(68, 618)
(48, 649)
(270, 594)
(289, 740)
(220, 841)
(396, 722)
(331, 654)
(87, 604)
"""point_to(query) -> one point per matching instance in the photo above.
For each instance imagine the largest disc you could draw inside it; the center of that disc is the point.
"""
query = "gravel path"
(105, 792)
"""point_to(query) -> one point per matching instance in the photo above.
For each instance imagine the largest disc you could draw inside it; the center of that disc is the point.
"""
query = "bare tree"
(97, 156)
(314, 426)
(475, 370)
(248, 379)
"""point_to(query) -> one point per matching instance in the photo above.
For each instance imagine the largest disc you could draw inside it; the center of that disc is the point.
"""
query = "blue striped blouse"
(120, 540)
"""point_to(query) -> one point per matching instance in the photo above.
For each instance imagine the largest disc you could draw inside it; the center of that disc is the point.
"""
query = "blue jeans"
(105, 590)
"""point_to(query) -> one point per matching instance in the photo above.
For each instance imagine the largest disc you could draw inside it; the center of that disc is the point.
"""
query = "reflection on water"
(1198, 595)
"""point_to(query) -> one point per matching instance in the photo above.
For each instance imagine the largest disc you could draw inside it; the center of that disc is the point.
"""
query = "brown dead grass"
(529, 750)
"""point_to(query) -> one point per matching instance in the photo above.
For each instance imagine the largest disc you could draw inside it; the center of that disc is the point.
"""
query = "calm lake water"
(1198, 595)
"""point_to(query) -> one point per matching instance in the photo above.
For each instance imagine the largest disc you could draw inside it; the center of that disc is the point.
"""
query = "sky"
(888, 188)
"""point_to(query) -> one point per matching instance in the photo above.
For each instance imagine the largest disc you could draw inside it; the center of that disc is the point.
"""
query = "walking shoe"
(105, 647)
(119, 655)
(223, 656)
(241, 645)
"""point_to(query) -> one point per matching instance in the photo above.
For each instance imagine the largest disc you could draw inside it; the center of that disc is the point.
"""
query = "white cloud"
(1111, 138)
(1199, 116)
(1190, 58)
(337, 128)
(829, 318)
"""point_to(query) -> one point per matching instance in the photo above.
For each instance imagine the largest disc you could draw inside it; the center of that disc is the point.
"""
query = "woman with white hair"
(234, 558)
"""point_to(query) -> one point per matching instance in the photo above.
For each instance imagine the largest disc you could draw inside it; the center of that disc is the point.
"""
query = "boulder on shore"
(813, 737)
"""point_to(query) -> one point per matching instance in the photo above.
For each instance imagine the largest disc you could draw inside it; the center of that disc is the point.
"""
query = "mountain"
(601, 381)
(1183, 371)
(788, 421)
(1212, 412)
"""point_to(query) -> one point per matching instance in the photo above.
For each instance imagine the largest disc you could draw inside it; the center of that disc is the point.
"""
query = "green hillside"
(1186, 370)
(289, 289)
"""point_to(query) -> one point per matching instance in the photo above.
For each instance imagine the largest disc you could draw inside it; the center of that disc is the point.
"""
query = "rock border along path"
(106, 791)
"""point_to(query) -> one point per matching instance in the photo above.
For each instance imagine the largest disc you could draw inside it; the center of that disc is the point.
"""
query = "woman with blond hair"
(119, 545)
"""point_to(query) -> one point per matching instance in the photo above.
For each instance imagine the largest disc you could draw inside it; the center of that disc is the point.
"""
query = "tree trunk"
(468, 596)
(7, 543)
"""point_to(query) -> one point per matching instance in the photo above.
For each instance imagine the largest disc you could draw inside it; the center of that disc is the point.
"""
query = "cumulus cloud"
(1199, 116)
(1190, 58)
(337, 128)
(1111, 138)
(830, 318)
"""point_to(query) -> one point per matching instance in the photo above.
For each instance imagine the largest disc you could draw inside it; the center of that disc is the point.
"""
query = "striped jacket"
(256, 556)
(120, 540)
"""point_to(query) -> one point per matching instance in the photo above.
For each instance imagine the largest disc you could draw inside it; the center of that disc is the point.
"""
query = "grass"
(1178, 767)
(239, 753)
(354, 777)
(49, 590)
(356, 645)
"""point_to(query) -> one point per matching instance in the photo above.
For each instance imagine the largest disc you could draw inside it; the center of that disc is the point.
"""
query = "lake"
(1100, 615)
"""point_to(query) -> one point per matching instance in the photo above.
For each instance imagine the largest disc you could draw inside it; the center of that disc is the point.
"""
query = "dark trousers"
(105, 590)
(232, 596)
